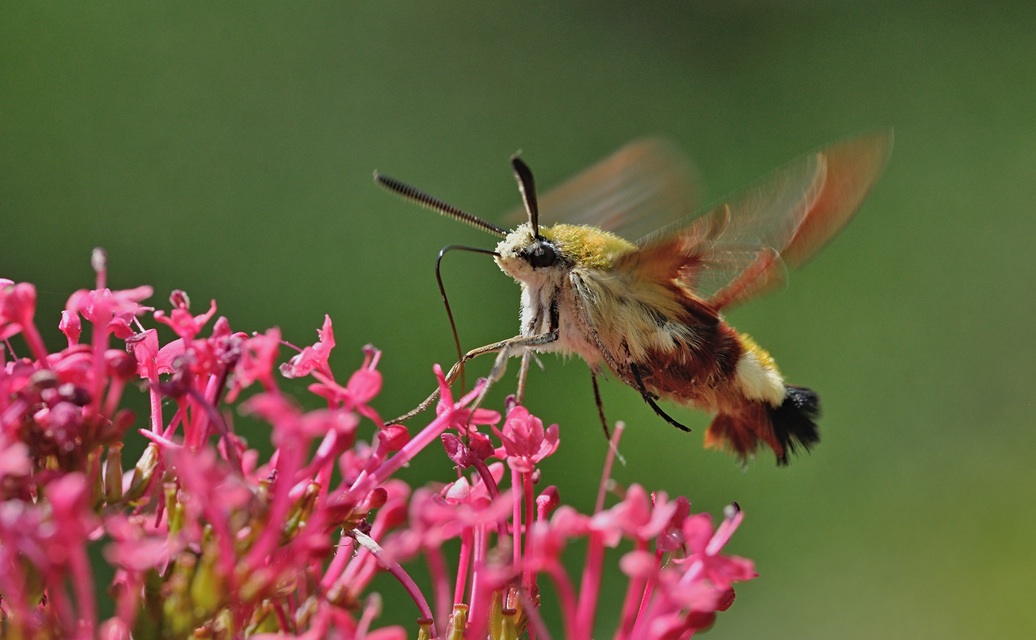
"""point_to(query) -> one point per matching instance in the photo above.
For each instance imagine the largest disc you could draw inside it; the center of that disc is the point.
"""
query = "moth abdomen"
(794, 421)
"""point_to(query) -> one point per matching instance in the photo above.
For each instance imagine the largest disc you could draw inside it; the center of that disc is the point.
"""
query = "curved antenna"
(446, 302)
(527, 186)
(431, 202)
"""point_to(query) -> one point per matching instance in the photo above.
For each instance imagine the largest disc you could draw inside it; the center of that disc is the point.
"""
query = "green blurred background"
(228, 151)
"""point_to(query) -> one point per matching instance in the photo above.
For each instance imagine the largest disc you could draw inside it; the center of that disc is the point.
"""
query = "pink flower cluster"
(209, 538)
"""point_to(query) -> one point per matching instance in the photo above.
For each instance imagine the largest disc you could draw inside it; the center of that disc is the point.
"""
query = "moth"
(650, 310)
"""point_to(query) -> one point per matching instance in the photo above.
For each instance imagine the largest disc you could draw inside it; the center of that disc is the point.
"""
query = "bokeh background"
(227, 151)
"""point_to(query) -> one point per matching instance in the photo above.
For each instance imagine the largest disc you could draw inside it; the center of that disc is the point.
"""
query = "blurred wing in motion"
(739, 249)
(644, 185)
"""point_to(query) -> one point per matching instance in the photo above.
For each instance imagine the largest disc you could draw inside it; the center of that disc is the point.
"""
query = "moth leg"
(504, 354)
(523, 371)
(539, 323)
(501, 348)
(650, 399)
(600, 405)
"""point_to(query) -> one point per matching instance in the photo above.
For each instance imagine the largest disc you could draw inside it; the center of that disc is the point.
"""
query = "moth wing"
(644, 185)
(739, 249)
(852, 167)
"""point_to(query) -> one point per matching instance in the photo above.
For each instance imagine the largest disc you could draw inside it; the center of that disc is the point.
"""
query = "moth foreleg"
(503, 349)
(523, 371)
(504, 353)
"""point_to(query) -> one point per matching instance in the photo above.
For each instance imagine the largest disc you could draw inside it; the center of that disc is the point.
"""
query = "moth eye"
(541, 255)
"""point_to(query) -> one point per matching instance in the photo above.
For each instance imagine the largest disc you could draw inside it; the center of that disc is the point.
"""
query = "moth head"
(529, 257)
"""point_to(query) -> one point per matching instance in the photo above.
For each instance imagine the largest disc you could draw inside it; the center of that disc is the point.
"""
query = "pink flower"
(469, 450)
(185, 325)
(526, 441)
(70, 326)
(313, 358)
(14, 458)
(281, 530)
(17, 307)
(17, 311)
(110, 310)
(137, 549)
(257, 362)
(636, 517)
(365, 383)
(704, 560)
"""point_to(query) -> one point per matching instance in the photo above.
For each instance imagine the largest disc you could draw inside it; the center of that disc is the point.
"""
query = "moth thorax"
(588, 246)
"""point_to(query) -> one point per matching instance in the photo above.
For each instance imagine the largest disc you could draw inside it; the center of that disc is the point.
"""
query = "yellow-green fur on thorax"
(587, 246)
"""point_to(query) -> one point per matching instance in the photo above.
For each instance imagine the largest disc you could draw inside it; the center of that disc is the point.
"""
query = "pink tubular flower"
(14, 459)
(17, 307)
(17, 312)
(208, 535)
(70, 326)
(111, 310)
(525, 440)
(637, 516)
(257, 364)
(185, 325)
(704, 560)
(312, 358)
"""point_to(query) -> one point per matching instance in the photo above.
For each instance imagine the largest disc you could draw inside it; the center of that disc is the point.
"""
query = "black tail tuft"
(794, 421)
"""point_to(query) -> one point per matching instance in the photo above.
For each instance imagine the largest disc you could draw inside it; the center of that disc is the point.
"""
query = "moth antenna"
(527, 186)
(446, 302)
(435, 204)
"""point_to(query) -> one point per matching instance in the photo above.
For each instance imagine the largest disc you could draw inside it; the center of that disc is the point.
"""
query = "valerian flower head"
(209, 535)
